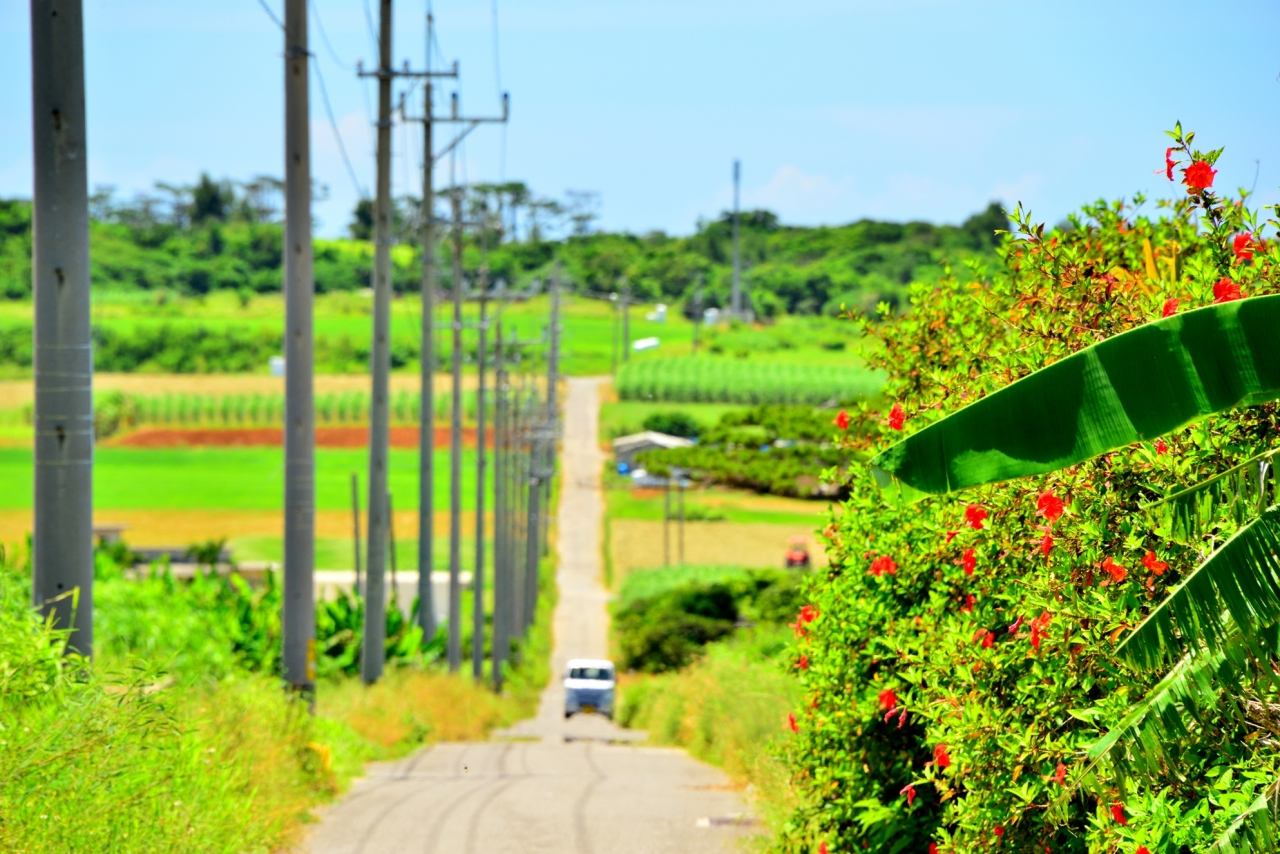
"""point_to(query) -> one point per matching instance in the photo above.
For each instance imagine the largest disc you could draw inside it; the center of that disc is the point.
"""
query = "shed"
(625, 448)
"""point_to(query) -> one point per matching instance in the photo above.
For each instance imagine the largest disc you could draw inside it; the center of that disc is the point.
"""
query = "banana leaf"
(1132, 387)
(1239, 492)
(1241, 580)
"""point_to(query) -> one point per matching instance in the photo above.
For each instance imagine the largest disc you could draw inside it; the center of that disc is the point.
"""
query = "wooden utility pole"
(735, 301)
(373, 653)
(299, 617)
(62, 541)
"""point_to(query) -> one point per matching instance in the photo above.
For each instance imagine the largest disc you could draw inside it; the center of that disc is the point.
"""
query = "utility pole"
(62, 542)
(613, 340)
(455, 447)
(355, 527)
(427, 404)
(697, 312)
(477, 576)
(736, 297)
(553, 402)
(626, 319)
(299, 617)
(375, 622)
(501, 585)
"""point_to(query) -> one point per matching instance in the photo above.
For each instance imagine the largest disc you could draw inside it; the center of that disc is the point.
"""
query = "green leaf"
(1241, 579)
(1254, 829)
(1243, 491)
(1132, 387)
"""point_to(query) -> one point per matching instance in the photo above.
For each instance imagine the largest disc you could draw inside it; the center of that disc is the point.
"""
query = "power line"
(337, 135)
(333, 54)
(272, 15)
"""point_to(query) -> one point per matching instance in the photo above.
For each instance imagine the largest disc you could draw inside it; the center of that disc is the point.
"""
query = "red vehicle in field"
(798, 554)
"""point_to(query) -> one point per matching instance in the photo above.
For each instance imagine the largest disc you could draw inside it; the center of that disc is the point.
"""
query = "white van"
(588, 686)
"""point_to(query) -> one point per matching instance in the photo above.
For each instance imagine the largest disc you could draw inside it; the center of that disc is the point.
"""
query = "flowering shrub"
(951, 701)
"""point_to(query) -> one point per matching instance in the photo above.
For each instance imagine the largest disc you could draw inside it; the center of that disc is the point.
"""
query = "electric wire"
(333, 54)
(270, 14)
(337, 135)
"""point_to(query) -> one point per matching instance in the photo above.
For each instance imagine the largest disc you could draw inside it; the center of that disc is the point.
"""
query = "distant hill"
(213, 236)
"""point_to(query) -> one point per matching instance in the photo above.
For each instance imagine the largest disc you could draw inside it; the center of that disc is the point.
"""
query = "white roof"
(589, 662)
(650, 437)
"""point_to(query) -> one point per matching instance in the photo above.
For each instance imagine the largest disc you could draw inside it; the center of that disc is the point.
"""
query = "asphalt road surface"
(547, 785)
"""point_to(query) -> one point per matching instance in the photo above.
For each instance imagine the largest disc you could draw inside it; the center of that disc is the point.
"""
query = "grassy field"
(621, 417)
(589, 326)
(228, 478)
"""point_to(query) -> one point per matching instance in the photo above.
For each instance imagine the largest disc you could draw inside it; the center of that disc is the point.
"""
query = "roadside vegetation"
(178, 736)
(1050, 616)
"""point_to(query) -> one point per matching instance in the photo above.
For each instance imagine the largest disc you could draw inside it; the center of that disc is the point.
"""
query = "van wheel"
(568, 715)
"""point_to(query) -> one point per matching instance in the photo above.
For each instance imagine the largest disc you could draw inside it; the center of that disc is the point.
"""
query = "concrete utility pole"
(553, 409)
(299, 617)
(62, 541)
(427, 403)
(501, 585)
(477, 577)
(735, 301)
(455, 447)
(373, 652)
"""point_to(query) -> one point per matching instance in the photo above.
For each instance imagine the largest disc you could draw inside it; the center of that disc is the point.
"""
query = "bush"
(674, 423)
(962, 665)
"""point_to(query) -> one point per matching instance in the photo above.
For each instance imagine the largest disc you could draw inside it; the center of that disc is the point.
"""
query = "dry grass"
(637, 544)
(412, 707)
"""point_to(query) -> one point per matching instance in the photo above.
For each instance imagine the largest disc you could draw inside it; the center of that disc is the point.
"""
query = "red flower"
(1117, 812)
(882, 565)
(1243, 245)
(791, 722)
(897, 417)
(933, 848)
(798, 628)
(1046, 543)
(988, 639)
(842, 420)
(888, 699)
(902, 718)
(1225, 290)
(1168, 163)
(808, 613)
(940, 756)
(999, 831)
(910, 791)
(1161, 448)
(1049, 506)
(1061, 774)
(950, 535)
(1151, 562)
(1170, 307)
(1115, 570)
(969, 562)
(1017, 624)
(1038, 626)
(1199, 175)
(822, 847)
(803, 663)
(973, 516)
(969, 602)
(1142, 849)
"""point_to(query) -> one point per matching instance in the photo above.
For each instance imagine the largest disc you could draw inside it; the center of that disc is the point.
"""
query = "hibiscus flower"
(888, 699)
(1117, 812)
(940, 756)
(1170, 307)
(1225, 290)
(1115, 570)
(1243, 245)
(1049, 506)
(1161, 448)
(897, 417)
(842, 420)
(1199, 175)
(1153, 563)
(1168, 163)
(791, 722)
(883, 565)
(969, 562)
(909, 791)
(973, 516)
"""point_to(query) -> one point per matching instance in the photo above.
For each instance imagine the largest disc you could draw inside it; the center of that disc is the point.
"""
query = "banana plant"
(1135, 387)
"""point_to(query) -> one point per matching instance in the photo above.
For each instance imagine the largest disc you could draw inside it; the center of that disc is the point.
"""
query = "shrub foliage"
(962, 650)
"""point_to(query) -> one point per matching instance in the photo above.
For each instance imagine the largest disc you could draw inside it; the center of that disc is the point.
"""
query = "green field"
(622, 417)
(230, 478)
(343, 327)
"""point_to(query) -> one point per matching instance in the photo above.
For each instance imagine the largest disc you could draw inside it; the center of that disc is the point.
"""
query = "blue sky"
(907, 109)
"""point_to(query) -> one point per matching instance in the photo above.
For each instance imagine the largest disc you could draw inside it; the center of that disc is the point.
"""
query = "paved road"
(547, 785)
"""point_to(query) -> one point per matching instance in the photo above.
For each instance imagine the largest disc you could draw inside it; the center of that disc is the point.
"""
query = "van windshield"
(604, 674)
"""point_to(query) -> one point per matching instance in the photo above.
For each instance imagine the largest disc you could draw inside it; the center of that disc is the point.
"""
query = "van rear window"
(601, 673)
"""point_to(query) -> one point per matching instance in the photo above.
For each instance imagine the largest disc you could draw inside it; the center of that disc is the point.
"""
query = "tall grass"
(728, 709)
